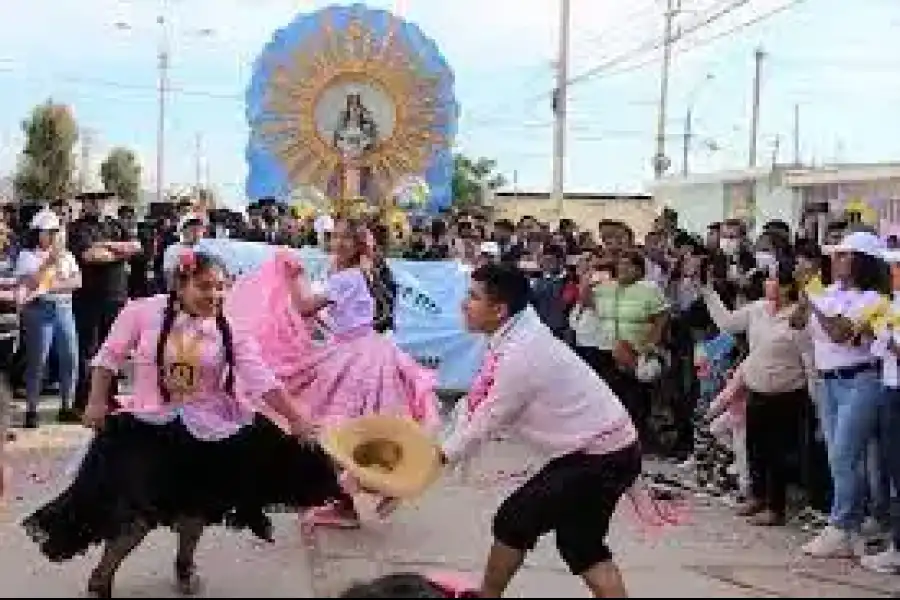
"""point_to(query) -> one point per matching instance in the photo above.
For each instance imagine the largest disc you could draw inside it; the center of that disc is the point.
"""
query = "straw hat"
(389, 455)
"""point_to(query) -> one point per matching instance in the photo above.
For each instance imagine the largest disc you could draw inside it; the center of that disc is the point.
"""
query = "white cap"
(45, 220)
(191, 218)
(862, 242)
(490, 248)
(891, 256)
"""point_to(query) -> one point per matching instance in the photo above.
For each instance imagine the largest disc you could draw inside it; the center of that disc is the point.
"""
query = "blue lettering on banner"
(427, 316)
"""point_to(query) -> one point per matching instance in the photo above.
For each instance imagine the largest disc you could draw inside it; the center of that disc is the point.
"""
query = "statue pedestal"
(350, 196)
(352, 184)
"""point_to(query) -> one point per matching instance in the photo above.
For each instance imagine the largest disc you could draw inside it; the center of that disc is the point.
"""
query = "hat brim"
(847, 249)
(416, 469)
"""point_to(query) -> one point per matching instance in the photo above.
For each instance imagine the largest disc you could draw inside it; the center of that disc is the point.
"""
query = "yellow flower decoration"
(878, 315)
(814, 287)
(891, 320)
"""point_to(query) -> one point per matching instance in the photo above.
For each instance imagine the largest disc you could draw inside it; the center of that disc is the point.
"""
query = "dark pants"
(7, 350)
(93, 319)
(634, 394)
(685, 391)
(574, 496)
(773, 424)
(815, 476)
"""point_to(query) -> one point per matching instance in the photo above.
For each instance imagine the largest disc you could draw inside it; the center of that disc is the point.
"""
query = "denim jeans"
(849, 410)
(878, 477)
(890, 433)
(49, 323)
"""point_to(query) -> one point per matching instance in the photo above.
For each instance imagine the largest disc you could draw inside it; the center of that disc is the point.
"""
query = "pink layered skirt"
(345, 376)
(359, 374)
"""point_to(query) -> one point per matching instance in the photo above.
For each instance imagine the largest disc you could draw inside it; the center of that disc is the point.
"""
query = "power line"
(708, 40)
(138, 87)
(656, 44)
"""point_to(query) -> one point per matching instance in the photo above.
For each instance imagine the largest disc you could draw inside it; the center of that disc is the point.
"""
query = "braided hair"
(193, 263)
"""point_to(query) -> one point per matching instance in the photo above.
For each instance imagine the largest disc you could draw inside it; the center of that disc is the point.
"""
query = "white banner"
(427, 315)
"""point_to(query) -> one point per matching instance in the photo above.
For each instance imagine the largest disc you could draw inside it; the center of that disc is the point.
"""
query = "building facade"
(784, 193)
(585, 209)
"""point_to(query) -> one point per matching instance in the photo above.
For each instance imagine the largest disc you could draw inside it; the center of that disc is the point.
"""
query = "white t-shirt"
(30, 261)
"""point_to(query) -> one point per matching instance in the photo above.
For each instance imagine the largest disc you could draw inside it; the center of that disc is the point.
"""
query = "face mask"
(729, 245)
(765, 260)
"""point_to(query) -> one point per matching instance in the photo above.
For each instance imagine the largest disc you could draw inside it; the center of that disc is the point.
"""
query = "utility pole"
(560, 99)
(797, 159)
(515, 184)
(686, 142)
(759, 56)
(198, 161)
(661, 162)
(87, 139)
(161, 114)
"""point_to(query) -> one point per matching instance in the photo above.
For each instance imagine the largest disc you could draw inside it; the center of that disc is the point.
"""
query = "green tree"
(47, 161)
(472, 176)
(121, 175)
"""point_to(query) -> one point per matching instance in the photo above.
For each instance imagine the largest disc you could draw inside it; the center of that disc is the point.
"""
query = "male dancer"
(532, 384)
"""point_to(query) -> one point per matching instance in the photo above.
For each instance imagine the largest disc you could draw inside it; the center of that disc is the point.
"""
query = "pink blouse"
(209, 413)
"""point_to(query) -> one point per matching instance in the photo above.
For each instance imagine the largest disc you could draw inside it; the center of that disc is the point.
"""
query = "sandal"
(187, 582)
(330, 516)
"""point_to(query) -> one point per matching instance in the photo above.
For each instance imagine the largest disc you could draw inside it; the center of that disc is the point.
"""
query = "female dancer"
(186, 451)
(357, 371)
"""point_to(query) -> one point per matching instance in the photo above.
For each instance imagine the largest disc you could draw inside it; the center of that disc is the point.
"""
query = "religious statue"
(351, 100)
(356, 132)
(355, 135)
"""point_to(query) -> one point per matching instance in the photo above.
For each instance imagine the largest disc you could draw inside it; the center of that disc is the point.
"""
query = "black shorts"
(574, 496)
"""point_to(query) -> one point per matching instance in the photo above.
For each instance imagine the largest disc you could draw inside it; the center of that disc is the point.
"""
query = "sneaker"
(874, 531)
(832, 542)
(887, 562)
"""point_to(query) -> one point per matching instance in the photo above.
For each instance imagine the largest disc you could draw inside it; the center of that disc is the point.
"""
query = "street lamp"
(689, 124)
(163, 56)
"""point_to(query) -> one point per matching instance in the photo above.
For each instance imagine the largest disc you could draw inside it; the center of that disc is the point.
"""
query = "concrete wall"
(638, 214)
(758, 200)
(697, 204)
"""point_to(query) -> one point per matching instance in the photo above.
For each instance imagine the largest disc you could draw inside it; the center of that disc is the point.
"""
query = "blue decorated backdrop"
(428, 320)
(268, 177)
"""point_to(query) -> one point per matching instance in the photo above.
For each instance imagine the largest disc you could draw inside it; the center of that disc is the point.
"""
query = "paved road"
(716, 556)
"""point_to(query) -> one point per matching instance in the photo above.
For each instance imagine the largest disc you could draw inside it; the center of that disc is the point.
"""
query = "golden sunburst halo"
(351, 55)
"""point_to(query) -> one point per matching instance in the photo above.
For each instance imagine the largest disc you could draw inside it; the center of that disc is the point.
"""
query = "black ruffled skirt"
(155, 475)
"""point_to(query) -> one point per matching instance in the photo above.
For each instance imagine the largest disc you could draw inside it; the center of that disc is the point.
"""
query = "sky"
(838, 64)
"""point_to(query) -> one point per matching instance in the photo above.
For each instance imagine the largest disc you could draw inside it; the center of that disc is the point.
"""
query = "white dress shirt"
(544, 394)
